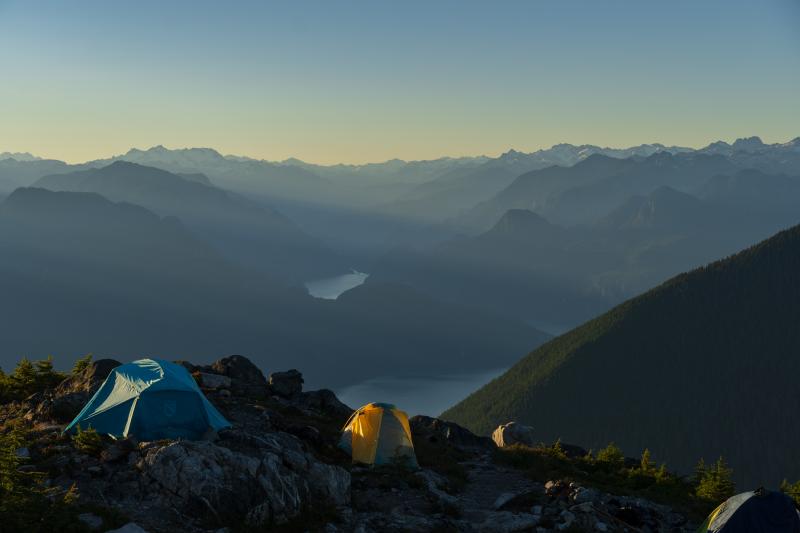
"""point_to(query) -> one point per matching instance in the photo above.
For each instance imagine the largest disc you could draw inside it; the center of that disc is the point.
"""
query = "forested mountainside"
(704, 364)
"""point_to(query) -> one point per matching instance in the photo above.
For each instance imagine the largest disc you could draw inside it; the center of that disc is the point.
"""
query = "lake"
(331, 288)
(417, 395)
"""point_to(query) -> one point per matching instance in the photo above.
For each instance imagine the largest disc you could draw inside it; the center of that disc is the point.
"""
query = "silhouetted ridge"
(252, 235)
(31, 202)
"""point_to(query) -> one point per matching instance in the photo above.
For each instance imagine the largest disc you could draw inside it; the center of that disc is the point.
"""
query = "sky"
(340, 81)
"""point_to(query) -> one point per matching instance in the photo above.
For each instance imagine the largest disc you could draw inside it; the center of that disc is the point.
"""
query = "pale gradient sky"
(333, 81)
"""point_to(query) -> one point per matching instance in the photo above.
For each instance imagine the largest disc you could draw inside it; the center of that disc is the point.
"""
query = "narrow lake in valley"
(331, 288)
(417, 395)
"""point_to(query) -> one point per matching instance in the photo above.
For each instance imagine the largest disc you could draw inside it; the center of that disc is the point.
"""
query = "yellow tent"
(377, 434)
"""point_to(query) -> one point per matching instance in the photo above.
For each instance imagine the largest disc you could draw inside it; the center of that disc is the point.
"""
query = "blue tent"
(150, 399)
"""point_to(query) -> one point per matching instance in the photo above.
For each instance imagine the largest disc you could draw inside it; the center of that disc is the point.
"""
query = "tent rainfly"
(759, 511)
(151, 399)
(378, 434)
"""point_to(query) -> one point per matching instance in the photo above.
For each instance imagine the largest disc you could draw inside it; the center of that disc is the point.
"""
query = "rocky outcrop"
(246, 378)
(513, 433)
(222, 485)
(214, 381)
(323, 401)
(286, 384)
(586, 509)
(433, 429)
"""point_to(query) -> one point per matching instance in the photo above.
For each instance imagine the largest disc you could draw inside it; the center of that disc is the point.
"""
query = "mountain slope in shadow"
(703, 364)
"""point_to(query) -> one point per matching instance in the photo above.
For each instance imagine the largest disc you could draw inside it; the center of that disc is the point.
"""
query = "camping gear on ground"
(759, 511)
(150, 399)
(379, 434)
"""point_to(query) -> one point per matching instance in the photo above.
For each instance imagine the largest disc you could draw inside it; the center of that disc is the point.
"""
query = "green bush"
(714, 483)
(46, 376)
(611, 456)
(23, 380)
(28, 378)
(81, 364)
(88, 441)
(792, 490)
(22, 499)
(9, 462)
(27, 505)
(646, 464)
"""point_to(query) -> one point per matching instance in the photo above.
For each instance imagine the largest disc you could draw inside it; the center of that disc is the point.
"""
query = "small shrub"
(88, 441)
(28, 378)
(46, 375)
(714, 483)
(23, 380)
(558, 450)
(646, 465)
(792, 490)
(81, 364)
(607, 472)
(611, 457)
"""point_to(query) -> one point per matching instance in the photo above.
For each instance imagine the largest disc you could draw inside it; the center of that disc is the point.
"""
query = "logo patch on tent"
(170, 408)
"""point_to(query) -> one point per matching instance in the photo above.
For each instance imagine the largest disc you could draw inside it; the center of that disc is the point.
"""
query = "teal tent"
(150, 399)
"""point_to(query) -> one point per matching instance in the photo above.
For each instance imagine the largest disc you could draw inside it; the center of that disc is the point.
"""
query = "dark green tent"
(759, 511)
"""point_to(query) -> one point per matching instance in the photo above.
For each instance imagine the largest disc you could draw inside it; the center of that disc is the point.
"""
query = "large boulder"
(71, 395)
(214, 381)
(286, 384)
(266, 479)
(246, 378)
(324, 402)
(433, 429)
(513, 433)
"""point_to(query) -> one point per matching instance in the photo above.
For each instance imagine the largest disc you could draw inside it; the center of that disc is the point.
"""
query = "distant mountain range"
(560, 244)
(704, 364)
(614, 222)
(593, 187)
(531, 268)
(19, 156)
(461, 188)
(395, 180)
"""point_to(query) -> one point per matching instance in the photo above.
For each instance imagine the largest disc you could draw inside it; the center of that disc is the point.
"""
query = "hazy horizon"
(728, 140)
